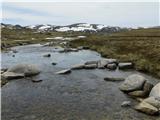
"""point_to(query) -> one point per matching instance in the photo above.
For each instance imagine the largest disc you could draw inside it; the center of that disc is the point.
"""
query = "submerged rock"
(53, 63)
(125, 65)
(67, 71)
(155, 92)
(114, 79)
(36, 80)
(132, 83)
(147, 108)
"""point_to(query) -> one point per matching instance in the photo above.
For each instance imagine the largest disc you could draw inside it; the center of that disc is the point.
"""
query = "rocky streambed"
(81, 94)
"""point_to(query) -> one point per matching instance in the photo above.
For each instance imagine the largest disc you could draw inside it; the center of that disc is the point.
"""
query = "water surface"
(81, 95)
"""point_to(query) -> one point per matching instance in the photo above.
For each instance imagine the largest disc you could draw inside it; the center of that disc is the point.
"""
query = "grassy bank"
(15, 37)
(142, 47)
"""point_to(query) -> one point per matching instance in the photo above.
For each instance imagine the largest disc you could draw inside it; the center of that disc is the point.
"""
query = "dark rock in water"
(114, 79)
(144, 92)
(13, 55)
(67, 71)
(125, 65)
(54, 63)
(78, 66)
(47, 55)
(90, 66)
(132, 83)
(35, 81)
(112, 66)
(147, 108)
(126, 104)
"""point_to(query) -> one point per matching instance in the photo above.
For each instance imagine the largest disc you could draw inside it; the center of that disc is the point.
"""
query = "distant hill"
(78, 27)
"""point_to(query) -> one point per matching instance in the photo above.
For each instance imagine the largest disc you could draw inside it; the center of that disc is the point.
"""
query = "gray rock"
(114, 79)
(144, 92)
(12, 75)
(78, 66)
(125, 65)
(68, 50)
(90, 66)
(104, 62)
(132, 83)
(153, 101)
(147, 108)
(155, 92)
(25, 69)
(126, 104)
(67, 71)
(91, 62)
(112, 66)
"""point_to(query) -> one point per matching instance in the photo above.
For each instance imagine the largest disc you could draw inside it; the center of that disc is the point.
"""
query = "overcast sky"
(131, 14)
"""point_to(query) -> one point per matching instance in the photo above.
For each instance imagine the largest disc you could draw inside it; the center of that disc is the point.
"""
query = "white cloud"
(119, 14)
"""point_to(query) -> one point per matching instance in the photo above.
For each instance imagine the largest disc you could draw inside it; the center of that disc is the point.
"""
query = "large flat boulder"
(155, 92)
(25, 69)
(132, 83)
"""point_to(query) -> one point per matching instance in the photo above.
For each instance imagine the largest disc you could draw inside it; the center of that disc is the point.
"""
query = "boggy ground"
(141, 46)
(81, 95)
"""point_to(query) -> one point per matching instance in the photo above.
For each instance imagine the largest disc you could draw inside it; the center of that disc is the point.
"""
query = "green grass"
(142, 47)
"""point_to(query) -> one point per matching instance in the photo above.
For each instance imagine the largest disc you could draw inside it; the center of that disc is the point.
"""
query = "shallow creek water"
(81, 95)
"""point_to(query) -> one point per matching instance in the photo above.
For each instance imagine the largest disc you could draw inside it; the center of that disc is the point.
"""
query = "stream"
(81, 95)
